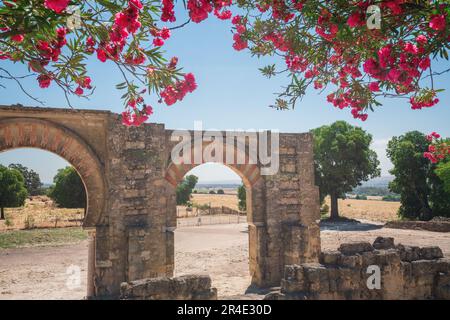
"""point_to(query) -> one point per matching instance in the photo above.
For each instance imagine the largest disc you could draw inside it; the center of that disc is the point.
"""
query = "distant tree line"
(17, 182)
(372, 191)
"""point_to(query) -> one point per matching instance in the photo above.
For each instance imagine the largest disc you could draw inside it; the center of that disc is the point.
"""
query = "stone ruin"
(189, 287)
(406, 272)
(130, 181)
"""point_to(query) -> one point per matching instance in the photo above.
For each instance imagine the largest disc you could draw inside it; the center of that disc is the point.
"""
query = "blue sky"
(231, 94)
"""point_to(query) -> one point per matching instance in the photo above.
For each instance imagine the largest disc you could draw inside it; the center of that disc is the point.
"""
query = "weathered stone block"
(384, 243)
(190, 287)
(408, 253)
(330, 257)
(355, 247)
(430, 253)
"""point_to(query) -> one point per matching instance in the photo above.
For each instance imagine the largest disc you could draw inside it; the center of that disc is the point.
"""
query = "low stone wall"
(406, 272)
(189, 287)
(437, 226)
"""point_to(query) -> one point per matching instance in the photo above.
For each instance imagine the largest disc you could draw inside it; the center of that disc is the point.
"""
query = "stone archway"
(33, 133)
(250, 174)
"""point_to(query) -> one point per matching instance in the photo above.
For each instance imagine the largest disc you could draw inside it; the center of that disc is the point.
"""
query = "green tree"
(443, 172)
(220, 191)
(12, 189)
(242, 198)
(185, 188)
(422, 193)
(68, 190)
(343, 159)
(32, 180)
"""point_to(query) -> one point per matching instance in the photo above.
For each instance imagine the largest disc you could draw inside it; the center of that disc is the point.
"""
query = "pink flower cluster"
(125, 22)
(398, 65)
(48, 52)
(438, 150)
(134, 117)
(199, 10)
(240, 43)
(172, 94)
(83, 83)
(160, 36)
(56, 5)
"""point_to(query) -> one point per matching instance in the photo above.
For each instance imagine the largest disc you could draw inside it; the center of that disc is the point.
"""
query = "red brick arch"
(249, 173)
(45, 135)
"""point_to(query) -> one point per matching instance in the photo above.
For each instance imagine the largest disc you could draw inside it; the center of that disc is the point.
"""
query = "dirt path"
(218, 250)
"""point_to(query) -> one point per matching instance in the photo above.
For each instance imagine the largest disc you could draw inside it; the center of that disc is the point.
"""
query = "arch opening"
(46, 226)
(40, 134)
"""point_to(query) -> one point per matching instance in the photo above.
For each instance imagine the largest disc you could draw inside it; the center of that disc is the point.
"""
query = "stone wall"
(130, 181)
(189, 287)
(406, 273)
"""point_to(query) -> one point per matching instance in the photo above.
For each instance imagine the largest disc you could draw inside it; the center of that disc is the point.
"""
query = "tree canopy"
(242, 198)
(12, 189)
(343, 159)
(421, 191)
(184, 189)
(68, 190)
(362, 49)
(32, 180)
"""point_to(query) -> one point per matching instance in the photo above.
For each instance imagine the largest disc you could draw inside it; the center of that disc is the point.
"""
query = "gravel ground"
(218, 250)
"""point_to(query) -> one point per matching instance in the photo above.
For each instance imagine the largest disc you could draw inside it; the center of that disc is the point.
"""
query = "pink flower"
(168, 14)
(199, 9)
(424, 63)
(374, 86)
(101, 55)
(44, 80)
(158, 42)
(136, 3)
(56, 5)
(356, 19)
(421, 40)
(165, 33)
(18, 38)
(78, 91)
(239, 43)
(437, 22)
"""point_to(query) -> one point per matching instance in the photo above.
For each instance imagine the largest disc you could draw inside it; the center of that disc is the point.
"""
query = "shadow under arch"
(45, 135)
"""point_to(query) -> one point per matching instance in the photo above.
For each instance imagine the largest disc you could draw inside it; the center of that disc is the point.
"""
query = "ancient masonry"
(405, 272)
(130, 181)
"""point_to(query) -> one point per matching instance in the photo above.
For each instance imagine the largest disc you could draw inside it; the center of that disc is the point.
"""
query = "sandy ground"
(218, 250)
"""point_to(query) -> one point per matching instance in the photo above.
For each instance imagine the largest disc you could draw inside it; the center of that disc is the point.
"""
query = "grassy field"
(375, 210)
(40, 212)
(39, 237)
(216, 200)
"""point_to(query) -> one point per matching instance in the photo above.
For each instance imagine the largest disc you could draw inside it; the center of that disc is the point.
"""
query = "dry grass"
(374, 210)
(216, 200)
(41, 212)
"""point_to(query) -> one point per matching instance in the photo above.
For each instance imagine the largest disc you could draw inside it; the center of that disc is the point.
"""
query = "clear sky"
(231, 94)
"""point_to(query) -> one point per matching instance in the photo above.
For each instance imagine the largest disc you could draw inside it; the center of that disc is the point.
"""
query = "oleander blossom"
(438, 149)
(56, 5)
(171, 94)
